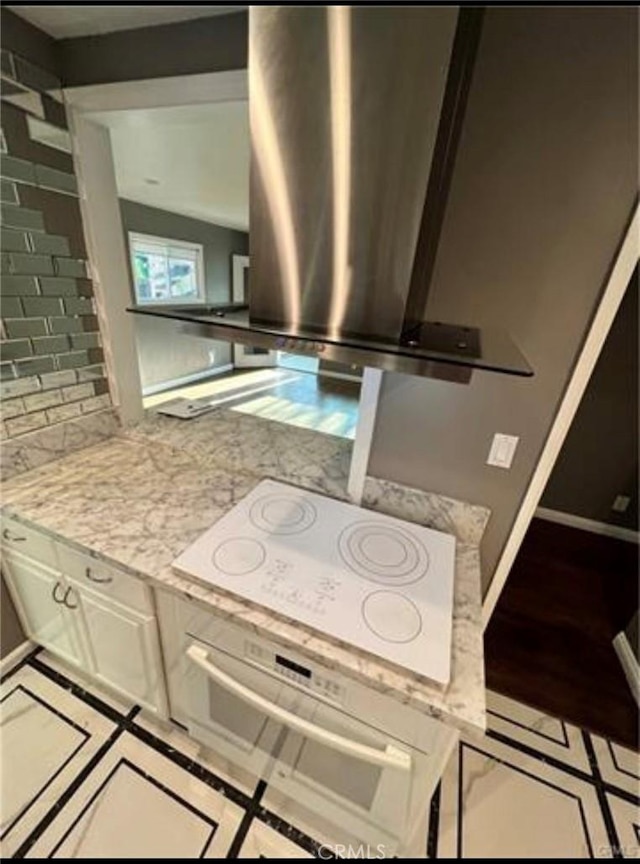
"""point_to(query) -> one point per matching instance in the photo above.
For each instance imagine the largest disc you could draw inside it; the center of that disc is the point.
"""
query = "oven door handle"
(390, 757)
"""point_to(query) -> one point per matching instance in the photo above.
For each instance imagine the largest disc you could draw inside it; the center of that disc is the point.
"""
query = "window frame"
(198, 248)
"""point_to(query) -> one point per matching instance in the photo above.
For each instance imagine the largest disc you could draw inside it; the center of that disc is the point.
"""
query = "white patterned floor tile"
(619, 766)
(263, 842)
(138, 804)
(534, 728)
(48, 737)
(626, 818)
(499, 802)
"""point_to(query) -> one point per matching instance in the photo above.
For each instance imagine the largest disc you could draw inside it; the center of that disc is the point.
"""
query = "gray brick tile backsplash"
(73, 359)
(10, 307)
(77, 392)
(59, 287)
(59, 181)
(17, 327)
(19, 387)
(73, 267)
(52, 367)
(16, 349)
(22, 217)
(40, 401)
(64, 412)
(26, 423)
(12, 408)
(91, 373)
(6, 63)
(14, 241)
(26, 264)
(36, 366)
(19, 285)
(7, 371)
(98, 403)
(49, 244)
(40, 306)
(19, 170)
(85, 340)
(9, 192)
(51, 345)
(66, 325)
(78, 306)
(58, 379)
(34, 76)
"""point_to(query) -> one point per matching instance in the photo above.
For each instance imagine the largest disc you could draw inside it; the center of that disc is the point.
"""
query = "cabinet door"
(46, 620)
(124, 649)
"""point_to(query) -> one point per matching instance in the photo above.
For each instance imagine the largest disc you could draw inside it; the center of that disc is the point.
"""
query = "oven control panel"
(294, 672)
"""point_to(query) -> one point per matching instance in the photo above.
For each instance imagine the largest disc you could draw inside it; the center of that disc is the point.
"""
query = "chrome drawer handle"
(66, 602)
(8, 536)
(53, 593)
(93, 578)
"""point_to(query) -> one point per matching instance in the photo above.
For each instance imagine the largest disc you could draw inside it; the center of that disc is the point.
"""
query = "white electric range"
(372, 581)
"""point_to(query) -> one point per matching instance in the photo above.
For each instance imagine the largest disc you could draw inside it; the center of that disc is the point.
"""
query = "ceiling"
(66, 22)
(198, 154)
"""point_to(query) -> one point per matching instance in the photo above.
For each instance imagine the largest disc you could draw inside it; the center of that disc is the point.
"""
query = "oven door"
(311, 752)
(221, 719)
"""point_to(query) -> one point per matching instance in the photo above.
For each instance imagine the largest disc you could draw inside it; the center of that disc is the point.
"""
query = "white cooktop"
(372, 581)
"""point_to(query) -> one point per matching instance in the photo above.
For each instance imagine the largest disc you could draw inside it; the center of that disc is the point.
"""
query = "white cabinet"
(123, 647)
(38, 593)
(88, 613)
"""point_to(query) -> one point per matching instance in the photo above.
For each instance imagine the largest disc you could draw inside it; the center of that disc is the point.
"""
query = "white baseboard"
(341, 376)
(186, 380)
(16, 656)
(588, 524)
(629, 664)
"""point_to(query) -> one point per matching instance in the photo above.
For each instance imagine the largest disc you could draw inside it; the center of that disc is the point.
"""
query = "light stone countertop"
(139, 499)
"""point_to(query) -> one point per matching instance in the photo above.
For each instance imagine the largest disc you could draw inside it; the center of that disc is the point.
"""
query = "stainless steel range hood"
(355, 117)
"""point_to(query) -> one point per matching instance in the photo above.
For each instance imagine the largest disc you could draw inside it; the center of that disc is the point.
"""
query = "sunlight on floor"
(295, 398)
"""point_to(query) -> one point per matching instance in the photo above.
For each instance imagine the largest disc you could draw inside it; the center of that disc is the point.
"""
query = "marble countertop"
(140, 498)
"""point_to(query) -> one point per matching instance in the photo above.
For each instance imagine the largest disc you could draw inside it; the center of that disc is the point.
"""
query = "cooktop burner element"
(391, 616)
(283, 514)
(383, 553)
(377, 583)
(239, 556)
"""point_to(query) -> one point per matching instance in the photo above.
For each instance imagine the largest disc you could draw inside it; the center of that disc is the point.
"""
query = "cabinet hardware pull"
(66, 602)
(8, 536)
(53, 593)
(390, 757)
(93, 578)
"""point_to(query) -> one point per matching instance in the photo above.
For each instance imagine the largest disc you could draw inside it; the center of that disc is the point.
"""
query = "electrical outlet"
(620, 503)
(502, 450)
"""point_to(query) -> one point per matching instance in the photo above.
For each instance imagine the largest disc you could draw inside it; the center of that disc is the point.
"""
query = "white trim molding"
(617, 282)
(16, 656)
(160, 92)
(629, 664)
(186, 380)
(367, 410)
(584, 524)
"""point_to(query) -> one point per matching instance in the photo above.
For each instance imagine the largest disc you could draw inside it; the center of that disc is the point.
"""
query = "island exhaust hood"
(355, 118)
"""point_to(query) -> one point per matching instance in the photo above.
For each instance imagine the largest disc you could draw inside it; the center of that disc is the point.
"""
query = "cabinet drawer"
(28, 541)
(100, 577)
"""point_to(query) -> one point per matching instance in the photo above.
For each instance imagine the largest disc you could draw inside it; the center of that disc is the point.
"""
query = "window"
(166, 271)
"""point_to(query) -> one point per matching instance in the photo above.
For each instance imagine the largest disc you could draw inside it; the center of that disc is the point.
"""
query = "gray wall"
(544, 184)
(163, 352)
(599, 459)
(11, 634)
(214, 44)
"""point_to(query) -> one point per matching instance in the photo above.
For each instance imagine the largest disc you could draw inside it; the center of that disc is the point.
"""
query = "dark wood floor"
(549, 640)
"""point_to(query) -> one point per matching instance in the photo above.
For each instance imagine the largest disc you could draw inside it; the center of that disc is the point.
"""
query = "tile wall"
(51, 358)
